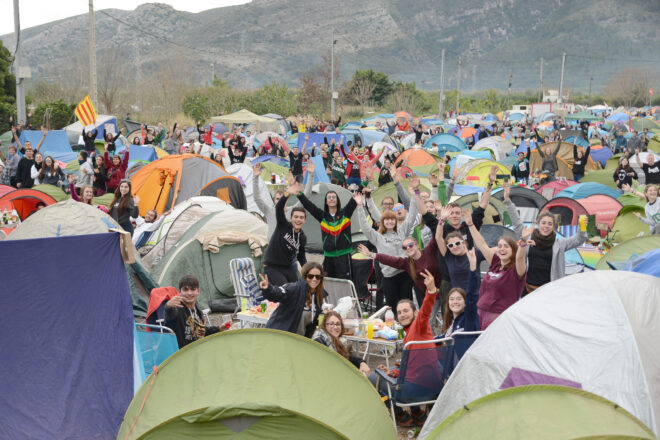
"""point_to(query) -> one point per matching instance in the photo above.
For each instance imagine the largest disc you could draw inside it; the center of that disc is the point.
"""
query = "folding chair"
(244, 279)
(337, 288)
(158, 297)
(462, 341)
(425, 367)
(153, 344)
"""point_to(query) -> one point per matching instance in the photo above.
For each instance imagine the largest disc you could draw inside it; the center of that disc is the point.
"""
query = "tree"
(7, 89)
(630, 87)
(197, 106)
(274, 98)
(61, 114)
(111, 81)
(363, 89)
(310, 94)
(405, 97)
(383, 86)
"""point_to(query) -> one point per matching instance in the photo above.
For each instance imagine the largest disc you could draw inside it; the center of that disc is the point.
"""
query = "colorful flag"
(85, 112)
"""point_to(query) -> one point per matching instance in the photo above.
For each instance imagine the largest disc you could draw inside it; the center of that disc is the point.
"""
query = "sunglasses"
(407, 246)
(396, 208)
(455, 244)
(312, 276)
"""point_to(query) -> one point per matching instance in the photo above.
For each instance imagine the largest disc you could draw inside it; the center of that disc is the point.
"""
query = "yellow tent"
(247, 117)
(564, 159)
(475, 172)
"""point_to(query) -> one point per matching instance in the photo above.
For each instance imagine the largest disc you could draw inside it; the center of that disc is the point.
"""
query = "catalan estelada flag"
(85, 112)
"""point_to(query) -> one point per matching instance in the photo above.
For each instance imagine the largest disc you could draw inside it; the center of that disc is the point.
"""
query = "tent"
(4, 189)
(604, 207)
(567, 413)
(629, 250)
(603, 177)
(498, 145)
(25, 201)
(321, 176)
(577, 140)
(243, 172)
(383, 118)
(269, 387)
(368, 137)
(654, 144)
(618, 117)
(141, 154)
(318, 139)
(416, 157)
(475, 172)
(176, 223)
(528, 202)
(583, 116)
(495, 212)
(597, 329)
(445, 142)
(247, 117)
(564, 159)
(271, 158)
(69, 218)
(568, 210)
(600, 154)
(460, 159)
(628, 199)
(627, 225)
(56, 144)
(649, 263)
(283, 126)
(211, 265)
(165, 182)
(583, 190)
(66, 338)
(54, 191)
(228, 189)
(103, 124)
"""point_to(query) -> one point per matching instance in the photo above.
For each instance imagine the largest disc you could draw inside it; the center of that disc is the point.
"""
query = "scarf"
(543, 242)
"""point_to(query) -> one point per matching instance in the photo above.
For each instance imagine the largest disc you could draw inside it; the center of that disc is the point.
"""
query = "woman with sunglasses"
(330, 335)
(396, 283)
(454, 249)
(460, 313)
(299, 303)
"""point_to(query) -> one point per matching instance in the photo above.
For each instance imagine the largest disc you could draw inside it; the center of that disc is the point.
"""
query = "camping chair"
(158, 297)
(244, 279)
(153, 344)
(337, 288)
(425, 367)
(462, 342)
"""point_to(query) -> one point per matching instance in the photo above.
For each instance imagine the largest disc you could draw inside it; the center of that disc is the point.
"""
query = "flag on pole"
(85, 112)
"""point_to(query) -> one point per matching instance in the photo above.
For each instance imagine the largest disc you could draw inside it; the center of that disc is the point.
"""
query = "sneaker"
(419, 417)
(405, 420)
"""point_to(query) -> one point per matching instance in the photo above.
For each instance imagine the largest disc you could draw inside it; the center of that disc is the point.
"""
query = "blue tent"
(141, 153)
(577, 140)
(522, 148)
(318, 139)
(618, 118)
(601, 155)
(649, 263)
(277, 160)
(56, 144)
(445, 142)
(67, 344)
(516, 117)
(584, 190)
(431, 121)
(320, 176)
(475, 154)
(368, 136)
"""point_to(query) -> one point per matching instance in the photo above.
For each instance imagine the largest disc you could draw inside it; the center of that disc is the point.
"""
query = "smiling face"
(651, 193)
(455, 216)
(87, 194)
(189, 295)
(650, 159)
(387, 203)
(504, 251)
(116, 161)
(124, 188)
(389, 223)
(400, 212)
(405, 313)
(298, 219)
(456, 303)
(38, 158)
(99, 160)
(331, 199)
(314, 278)
(456, 246)
(410, 247)
(150, 217)
(546, 225)
(333, 326)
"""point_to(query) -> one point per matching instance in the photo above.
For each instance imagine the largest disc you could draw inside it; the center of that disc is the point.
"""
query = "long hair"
(387, 214)
(82, 193)
(514, 248)
(336, 342)
(448, 317)
(412, 267)
(318, 292)
(627, 167)
(123, 200)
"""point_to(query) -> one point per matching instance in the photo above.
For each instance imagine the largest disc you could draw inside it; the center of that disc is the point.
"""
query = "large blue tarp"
(66, 369)
(320, 176)
(56, 144)
(318, 139)
(141, 153)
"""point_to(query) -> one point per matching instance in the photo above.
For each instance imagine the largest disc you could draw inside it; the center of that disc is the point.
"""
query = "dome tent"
(587, 328)
(228, 189)
(499, 146)
(627, 225)
(25, 201)
(567, 413)
(628, 250)
(564, 159)
(569, 210)
(528, 202)
(268, 388)
(495, 212)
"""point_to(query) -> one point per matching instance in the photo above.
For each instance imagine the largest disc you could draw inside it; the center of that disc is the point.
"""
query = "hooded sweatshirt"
(335, 229)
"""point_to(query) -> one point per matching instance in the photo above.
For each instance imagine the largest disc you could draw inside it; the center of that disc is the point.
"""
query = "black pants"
(397, 288)
(280, 275)
(338, 267)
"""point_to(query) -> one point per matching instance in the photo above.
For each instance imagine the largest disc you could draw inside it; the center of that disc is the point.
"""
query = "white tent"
(499, 146)
(600, 329)
(244, 173)
(108, 123)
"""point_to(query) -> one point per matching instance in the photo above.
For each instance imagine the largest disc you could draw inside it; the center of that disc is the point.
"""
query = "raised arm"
(521, 259)
(480, 243)
(314, 210)
(472, 292)
(512, 211)
(439, 234)
(639, 162)
(263, 205)
(16, 139)
(373, 209)
(367, 230)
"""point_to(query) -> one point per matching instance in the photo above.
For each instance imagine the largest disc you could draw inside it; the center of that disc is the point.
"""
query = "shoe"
(405, 420)
(419, 417)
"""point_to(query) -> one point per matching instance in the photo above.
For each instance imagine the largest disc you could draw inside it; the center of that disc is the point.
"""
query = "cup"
(583, 222)
(263, 306)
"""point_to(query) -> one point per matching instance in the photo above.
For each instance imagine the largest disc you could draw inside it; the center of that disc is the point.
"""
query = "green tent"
(613, 162)
(389, 190)
(53, 191)
(256, 384)
(628, 250)
(583, 116)
(600, 176)
(495, 212)
(188, 255)
(628, 225)
(628, 199)
(7, 138)
(654, 144)
(541, 412)
(640, 124)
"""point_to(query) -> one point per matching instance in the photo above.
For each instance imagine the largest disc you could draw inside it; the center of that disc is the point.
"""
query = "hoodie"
(335, 229)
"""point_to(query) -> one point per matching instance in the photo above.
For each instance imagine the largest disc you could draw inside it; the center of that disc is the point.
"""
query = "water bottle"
(389, 318)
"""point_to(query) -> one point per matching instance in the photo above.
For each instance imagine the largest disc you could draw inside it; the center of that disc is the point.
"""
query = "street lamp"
(332, 75)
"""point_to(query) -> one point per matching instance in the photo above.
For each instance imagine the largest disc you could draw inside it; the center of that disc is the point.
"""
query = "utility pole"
(332, 75)
(458, 83)
(508, 91)
(560, 99)
(591, 78)
(541, 82)
(92, 54)
(19, 71)
(442, 84)
(474, 77)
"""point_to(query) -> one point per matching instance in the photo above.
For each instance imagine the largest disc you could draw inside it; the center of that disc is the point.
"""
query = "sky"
(36, 12)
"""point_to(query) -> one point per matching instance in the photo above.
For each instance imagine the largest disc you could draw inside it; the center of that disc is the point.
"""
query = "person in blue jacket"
(461, 307)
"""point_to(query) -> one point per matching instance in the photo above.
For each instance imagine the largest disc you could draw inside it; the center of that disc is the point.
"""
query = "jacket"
(115, 173)
(468, 321)
(579, 164)
(322, 337)
(189, 325)
(292, 298)
(335, 229)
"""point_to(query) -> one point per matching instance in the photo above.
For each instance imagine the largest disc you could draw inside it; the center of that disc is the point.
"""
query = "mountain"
(268, 40)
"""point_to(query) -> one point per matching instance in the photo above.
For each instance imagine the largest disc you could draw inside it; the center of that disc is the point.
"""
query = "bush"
(62, 114)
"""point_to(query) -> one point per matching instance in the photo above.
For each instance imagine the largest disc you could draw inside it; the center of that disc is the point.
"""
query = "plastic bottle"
(370, 329)
(389, 318)
(4, 216)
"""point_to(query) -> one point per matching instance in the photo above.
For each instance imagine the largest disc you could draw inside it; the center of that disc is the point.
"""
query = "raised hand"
(256, 170)
(414, 182)
(528, 232)
(507, 190)
(364, 250)
(289, 178)
(472, 258)
(433, 179)
(175, 301)
(310, 167)
(429, 281)
(357, 196)
(44, 130)
(637, 214)
(394, 174)
(625, 187)
(263, 283)
(444, 213)
(467, 215)
(71, 178)
(294, 188)
(454, 172)
(492, 176)
(136, 200)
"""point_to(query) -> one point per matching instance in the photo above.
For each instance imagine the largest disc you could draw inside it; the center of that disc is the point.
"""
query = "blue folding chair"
(244, 279)
(425, 367)
(462, 341)
(153, 344)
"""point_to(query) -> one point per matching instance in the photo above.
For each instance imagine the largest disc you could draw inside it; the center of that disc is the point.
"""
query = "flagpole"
(92, 55)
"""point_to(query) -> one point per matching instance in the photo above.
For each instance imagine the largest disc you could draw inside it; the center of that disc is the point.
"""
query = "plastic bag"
(387, 333)
(344, 306)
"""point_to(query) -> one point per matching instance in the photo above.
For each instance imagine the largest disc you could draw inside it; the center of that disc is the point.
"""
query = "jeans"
(577, 177)
(353, 180)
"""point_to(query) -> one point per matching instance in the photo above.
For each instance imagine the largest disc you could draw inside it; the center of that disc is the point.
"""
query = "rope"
(143, 402)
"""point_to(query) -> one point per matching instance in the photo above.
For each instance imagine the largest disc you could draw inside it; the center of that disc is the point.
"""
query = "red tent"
(25, 201)
(604, 207)
(556, 186)
(568, 209)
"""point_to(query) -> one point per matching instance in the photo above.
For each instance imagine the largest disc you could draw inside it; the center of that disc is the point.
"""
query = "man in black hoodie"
(335, 232)
(183, 315)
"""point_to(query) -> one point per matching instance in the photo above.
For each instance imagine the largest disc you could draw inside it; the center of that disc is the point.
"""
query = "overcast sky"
(36, 12)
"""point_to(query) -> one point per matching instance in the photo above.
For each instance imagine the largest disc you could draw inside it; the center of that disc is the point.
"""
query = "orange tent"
(170, 180)
(468, 132)
(415, 157)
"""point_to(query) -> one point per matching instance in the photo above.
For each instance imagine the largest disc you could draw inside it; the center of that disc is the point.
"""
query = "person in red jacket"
(116, 169)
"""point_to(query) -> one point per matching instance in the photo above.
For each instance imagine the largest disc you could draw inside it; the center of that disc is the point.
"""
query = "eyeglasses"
(408, 246)
(311, 276)
(455, 244)
(335, 324)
